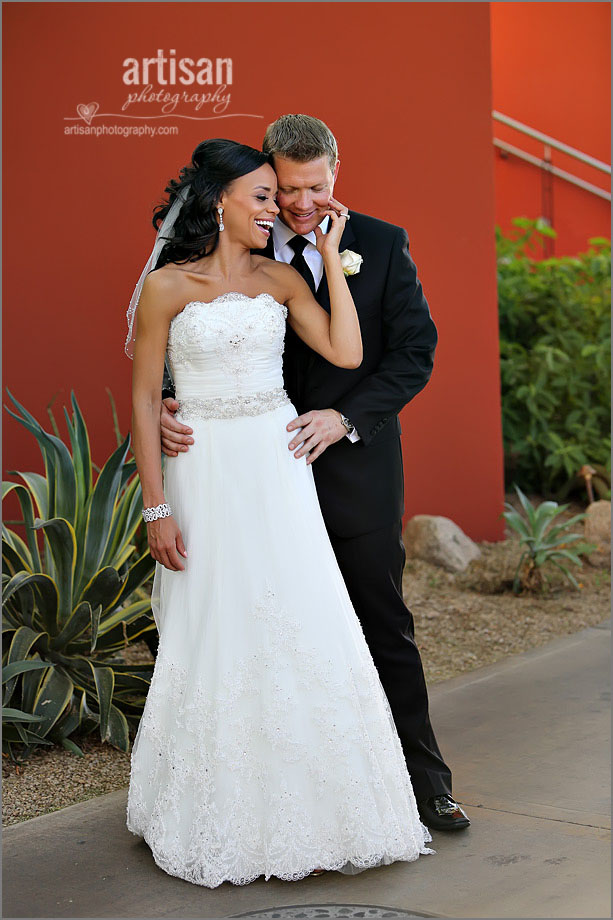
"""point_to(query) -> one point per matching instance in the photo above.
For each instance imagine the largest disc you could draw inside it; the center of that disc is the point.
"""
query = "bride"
(266, 744)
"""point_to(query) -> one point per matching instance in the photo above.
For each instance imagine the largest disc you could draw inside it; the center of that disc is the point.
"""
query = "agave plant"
(73, 595)
(543, 543)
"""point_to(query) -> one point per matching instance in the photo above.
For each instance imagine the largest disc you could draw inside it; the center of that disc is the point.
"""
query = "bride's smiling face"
(250, 207)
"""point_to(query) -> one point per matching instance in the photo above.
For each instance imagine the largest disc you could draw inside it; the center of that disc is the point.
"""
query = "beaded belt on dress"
(233, 406)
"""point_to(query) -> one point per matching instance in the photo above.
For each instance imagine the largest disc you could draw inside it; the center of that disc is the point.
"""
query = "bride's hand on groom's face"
(319, 429)
(338, 218)
(175, 436)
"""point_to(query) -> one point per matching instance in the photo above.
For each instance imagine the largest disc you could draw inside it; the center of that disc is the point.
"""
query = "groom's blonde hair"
(301, 138)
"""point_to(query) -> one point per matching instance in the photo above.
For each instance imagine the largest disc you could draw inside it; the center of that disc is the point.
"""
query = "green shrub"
(555, 339)
(72, 602)
(542, 543)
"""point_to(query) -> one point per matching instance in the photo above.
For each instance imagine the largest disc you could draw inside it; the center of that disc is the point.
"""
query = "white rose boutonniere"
(351, 262)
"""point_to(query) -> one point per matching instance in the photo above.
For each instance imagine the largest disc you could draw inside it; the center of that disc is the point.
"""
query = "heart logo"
(88, 111)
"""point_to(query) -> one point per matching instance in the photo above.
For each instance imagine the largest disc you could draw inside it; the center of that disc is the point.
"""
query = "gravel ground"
(462, 622)
(473, 619)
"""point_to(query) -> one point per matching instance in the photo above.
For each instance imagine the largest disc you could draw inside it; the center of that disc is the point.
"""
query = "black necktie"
(299, 262)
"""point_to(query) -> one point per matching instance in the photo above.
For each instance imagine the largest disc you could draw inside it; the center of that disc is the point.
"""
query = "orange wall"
(551, 65)
(406, 88)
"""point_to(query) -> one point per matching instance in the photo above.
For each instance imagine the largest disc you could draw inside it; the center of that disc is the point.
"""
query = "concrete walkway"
(528, 742)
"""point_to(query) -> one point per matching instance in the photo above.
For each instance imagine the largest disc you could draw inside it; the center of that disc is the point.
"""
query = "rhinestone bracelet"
(160, 511)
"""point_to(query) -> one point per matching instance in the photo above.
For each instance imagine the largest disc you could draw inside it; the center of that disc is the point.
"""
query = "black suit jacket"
(360, 485)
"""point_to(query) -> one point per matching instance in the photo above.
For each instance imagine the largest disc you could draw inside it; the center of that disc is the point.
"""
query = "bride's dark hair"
(215, 164)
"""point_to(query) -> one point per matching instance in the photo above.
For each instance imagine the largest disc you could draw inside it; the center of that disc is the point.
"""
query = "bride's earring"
(220, 212)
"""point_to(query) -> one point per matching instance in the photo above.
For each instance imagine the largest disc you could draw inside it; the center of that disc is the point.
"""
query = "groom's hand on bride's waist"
(319, 429)
(175, 436)
(315, 431)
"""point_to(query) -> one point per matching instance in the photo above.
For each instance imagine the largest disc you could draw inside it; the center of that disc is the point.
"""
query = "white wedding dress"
(266, 745)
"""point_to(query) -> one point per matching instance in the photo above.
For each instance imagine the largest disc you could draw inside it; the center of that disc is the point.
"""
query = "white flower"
(351, 262)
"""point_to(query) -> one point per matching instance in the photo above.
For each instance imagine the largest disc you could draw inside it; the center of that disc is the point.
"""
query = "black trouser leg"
(372, 566)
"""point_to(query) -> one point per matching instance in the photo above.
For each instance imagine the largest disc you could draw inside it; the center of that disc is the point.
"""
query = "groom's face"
(304, 190)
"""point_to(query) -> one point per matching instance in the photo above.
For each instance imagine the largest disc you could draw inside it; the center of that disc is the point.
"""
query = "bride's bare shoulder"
(167, 277)
(164, 289)
(270, 266)
(277, 273)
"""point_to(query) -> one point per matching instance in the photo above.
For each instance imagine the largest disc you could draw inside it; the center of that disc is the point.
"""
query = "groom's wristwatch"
(350, 428)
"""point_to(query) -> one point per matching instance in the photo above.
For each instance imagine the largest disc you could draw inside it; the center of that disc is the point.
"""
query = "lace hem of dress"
(331, 862)
(233, 406)
(225, 787)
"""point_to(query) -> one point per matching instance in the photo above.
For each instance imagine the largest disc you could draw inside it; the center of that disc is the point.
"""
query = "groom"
(355, 437)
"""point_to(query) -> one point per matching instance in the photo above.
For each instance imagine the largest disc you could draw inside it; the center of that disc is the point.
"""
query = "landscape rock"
(439, 540)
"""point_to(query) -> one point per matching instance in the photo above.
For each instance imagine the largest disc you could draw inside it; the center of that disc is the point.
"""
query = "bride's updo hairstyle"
(215, 164)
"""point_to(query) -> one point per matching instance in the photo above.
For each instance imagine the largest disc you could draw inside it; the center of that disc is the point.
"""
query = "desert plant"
(542, 543)
(555, 338)
(73, 600)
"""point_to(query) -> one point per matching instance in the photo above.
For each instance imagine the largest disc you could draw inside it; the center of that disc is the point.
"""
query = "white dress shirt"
(281, 235)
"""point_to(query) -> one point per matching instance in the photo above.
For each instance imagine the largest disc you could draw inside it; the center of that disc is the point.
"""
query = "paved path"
(528, 742)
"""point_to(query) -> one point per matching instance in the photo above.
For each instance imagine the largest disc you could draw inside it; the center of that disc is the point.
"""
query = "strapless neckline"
(231, 295)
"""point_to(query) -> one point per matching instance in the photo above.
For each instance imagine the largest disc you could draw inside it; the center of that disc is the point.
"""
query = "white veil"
(165, 233)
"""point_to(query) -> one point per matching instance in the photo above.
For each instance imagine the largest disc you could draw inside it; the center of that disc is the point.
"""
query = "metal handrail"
(552, 142)
(561, 173)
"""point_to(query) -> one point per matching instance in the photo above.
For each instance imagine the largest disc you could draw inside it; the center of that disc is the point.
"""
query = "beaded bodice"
(225, 355)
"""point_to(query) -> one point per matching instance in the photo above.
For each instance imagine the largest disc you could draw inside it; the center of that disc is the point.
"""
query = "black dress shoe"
(442, 813)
